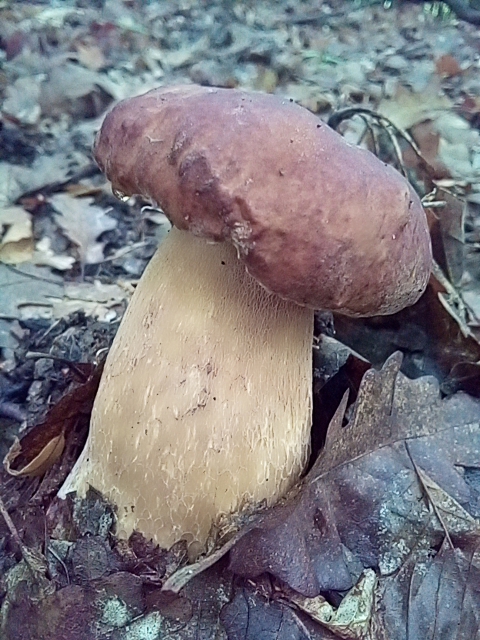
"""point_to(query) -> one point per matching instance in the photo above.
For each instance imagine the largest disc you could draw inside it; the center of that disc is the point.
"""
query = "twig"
(126, 250)
(49, 549)
(345, 114)
(34, 561)
(369, 129)
(454, 298)
(10, 525)
(429, 496)
(35, 355)
(397, 151)
(33, 276)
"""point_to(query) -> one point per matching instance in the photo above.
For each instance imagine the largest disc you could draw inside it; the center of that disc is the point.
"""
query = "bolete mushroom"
(204, 408)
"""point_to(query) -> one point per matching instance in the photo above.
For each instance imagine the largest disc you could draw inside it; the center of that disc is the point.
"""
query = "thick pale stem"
(205, 403)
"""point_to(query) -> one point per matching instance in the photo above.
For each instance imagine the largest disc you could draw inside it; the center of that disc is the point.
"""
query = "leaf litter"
(381, 538)
(83, 223)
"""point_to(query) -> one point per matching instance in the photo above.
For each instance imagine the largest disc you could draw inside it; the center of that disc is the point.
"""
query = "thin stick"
(429, 496)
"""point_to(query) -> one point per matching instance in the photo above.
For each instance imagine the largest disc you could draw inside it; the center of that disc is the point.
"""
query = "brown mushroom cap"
(314, 219)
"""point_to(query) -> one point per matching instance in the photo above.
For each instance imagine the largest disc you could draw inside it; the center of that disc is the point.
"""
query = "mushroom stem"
(205, 403)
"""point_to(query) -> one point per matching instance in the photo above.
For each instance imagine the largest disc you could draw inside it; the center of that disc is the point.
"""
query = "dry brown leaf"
(83, 223)
(363, 503)
(42, 446)
(184, 55)
(16, 244)
(407, 108)
(434, 597)
(447, 66)
(447, 225)
(454, 518)
(427, 139)
(45, 458)
(90, 55)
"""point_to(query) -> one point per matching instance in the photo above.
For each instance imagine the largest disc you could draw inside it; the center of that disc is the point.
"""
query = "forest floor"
(403, 561)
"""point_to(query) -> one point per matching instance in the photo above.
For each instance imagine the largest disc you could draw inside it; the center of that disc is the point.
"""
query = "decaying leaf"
(433, 334)
(363, 504)
(83, 223)
(394, 499)
(76, 90)
(352, 618)
(90, 55)
(434, 596)
(427, 140)
(25, 291)
(458, 143)
(43, 460)
(43, 445)
(253, 614)
(447, 66)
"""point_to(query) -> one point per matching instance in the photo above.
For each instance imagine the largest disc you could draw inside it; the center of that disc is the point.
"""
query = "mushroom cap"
(315, 220)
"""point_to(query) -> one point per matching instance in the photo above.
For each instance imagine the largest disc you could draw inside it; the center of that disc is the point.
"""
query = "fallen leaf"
(363, 505)
(16, 241)
(42, 461)
(253, 614)
(44, 443)
(433, 597)
(43, 255)
(174, 59)
(74, 617)
(16, 180)
(427, 139)
(352, 617)
(22, 100)
(458, 145)
(407, 108)
(27, 577)
(90, 55)
(447, 66)
(469, 107)
(83, 223)
(433, 335)
(92, 559)
(25, 291)
(93, 298)
(53, 16)
(74, 90)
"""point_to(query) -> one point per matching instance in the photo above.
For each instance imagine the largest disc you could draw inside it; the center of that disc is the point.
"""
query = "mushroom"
(204, 408)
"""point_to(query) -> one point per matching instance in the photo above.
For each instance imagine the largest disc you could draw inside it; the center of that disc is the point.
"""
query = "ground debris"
(392, 496)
